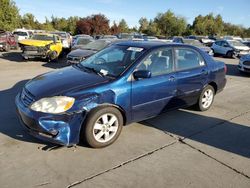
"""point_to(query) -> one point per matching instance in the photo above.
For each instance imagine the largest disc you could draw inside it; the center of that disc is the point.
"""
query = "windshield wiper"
(94, 70)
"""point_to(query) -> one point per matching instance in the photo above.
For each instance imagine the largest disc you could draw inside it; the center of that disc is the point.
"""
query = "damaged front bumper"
(33, 52)
(62, 129)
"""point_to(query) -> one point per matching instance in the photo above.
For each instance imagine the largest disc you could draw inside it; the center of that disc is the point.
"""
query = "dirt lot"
(183, 148)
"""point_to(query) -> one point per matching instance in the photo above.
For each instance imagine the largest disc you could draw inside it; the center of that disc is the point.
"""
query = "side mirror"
(142, 74)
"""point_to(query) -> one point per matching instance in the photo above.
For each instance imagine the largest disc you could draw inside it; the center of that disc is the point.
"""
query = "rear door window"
(188, 59)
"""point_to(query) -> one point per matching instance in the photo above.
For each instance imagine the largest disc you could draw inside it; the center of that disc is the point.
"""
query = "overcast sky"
(236, 12)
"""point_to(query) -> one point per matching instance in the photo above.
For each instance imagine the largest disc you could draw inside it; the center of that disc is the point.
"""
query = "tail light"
(225, 69)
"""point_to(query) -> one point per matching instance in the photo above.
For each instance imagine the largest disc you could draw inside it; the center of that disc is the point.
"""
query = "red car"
(7, 41)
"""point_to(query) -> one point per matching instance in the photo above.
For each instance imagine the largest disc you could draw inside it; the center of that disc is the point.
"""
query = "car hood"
(61, 81)
(31, 42)
(242, 47)
(81, 53)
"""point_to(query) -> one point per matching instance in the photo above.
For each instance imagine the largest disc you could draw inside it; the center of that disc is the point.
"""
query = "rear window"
(20, 33)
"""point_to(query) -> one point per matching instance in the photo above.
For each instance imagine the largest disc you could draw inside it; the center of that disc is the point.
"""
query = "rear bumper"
(222, 85)
(62, 129)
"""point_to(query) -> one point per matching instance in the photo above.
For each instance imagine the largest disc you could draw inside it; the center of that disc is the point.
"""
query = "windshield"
(236, 43)
(83, 41)
(97, 45)
(20, 33)
(112, 61)
(42, 37)
(193, 42)
(62, 35)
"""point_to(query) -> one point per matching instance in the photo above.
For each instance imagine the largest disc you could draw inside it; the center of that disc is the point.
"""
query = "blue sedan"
(124, 83)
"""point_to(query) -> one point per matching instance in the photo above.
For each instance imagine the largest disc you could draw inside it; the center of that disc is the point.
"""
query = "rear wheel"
(206, 98)
(103, 126)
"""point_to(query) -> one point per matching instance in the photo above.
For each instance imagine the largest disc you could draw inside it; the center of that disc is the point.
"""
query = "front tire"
(206, 98)
(230, 54)
(103, 126)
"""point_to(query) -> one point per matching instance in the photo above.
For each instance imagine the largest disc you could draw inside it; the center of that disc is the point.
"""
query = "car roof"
(151, 44)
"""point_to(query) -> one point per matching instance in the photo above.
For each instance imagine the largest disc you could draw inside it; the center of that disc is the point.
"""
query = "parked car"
(110, 37)
(244, 64)
(46, 46)
(7, 41)
(123, 83)
(22, 34)
(66, 39)
(76, 56)
(150, 38)
(247, 43)
(74, 39)
(194, 42)
(81, 42)
(230, 48)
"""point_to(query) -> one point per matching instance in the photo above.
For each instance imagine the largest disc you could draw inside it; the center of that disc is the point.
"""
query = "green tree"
(144, 24)
(169, 24)
(9, 15)
(47, 26)
(208, 25)
(71, 21)
(123, 26)
(29, 21)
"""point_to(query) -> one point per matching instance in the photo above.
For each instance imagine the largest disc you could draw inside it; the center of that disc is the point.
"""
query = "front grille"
(30, 48)
(246, 63)
(27, 98)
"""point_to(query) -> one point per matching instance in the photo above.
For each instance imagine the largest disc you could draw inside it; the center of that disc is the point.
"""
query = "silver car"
(244, 64)
(230, 48)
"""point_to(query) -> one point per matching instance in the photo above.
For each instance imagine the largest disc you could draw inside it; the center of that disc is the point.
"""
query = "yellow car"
(46, 46)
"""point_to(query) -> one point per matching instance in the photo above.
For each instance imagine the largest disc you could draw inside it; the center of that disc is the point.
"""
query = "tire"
(95, 131)
(52, 57)
(206, 98)
(229, 54)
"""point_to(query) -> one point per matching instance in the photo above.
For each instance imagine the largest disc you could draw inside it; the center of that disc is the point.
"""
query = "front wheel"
(230, 54)
(206, 98)
(103, 126)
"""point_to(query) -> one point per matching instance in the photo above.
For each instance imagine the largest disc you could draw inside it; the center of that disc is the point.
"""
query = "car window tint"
(159, 62)
(187, 59)
(218, 43)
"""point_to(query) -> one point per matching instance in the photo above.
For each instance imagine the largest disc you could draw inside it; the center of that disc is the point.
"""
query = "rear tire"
(103, 126)
(206, 98)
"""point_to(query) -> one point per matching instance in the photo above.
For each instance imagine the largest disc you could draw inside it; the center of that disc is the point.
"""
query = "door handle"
(171, 78)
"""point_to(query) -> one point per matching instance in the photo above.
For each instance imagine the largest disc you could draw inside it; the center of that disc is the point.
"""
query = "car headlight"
(53, 105)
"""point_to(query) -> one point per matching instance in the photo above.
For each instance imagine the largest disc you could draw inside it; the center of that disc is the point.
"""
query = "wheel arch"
(214, 85)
